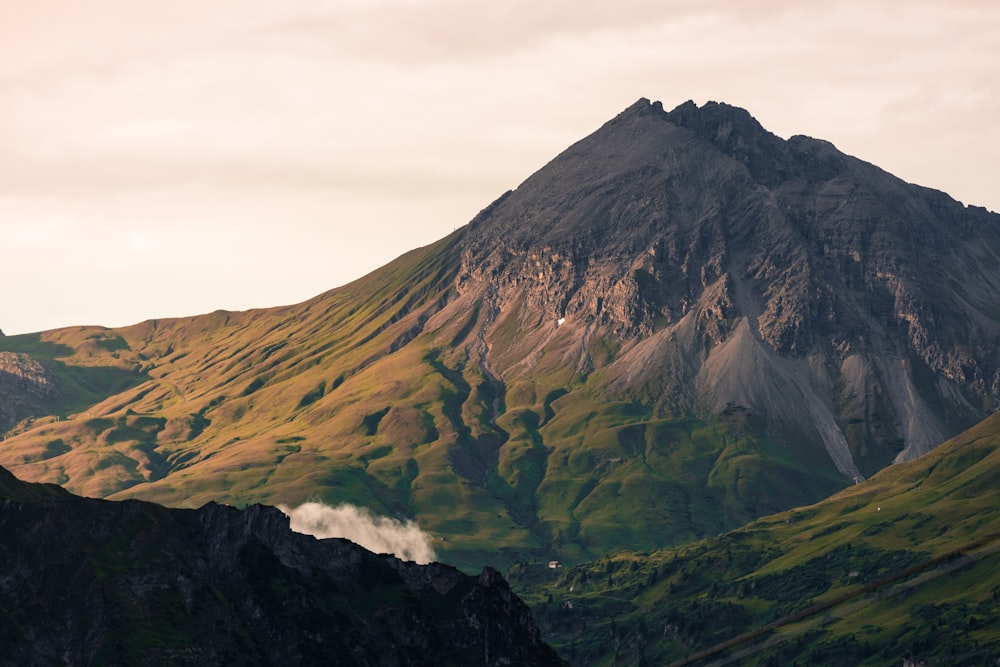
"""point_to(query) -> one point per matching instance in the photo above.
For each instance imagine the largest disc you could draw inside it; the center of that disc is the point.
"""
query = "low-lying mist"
(380, 534)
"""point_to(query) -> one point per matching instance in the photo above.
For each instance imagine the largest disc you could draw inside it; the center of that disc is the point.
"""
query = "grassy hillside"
(904, 565)
(373, 394)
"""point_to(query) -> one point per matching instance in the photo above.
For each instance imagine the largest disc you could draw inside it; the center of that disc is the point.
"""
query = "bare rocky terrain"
(738, 270)
(27, 387)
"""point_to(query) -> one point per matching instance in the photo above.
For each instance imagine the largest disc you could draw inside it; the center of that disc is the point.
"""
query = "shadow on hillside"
(82, 386)
(78, 386)
(33, 345)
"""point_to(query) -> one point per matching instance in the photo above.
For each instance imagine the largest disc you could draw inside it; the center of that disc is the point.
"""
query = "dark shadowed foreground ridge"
(85, 581)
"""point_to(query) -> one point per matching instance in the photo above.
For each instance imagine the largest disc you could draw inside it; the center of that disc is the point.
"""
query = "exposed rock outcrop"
(699, 217)
(26, 388)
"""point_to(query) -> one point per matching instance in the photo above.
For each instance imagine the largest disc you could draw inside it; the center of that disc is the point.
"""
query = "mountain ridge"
(798, 308)
(678, 324)
(88, 581)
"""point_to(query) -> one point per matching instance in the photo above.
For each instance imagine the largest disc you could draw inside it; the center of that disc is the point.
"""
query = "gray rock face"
(739, 270)
(25, 386)
(86, 581)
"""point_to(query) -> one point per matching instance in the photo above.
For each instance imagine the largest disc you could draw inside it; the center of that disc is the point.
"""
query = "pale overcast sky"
(172, 157)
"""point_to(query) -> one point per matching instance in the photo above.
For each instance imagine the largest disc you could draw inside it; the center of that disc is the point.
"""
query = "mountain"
(781, 277)
(87, 581)
(901, 569)
(681, 323)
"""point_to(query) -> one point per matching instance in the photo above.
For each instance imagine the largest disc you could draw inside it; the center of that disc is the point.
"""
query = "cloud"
(380, 534)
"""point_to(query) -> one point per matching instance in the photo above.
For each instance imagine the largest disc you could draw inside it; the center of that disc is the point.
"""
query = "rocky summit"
(680, 323)
(86, 581)
(740, 271)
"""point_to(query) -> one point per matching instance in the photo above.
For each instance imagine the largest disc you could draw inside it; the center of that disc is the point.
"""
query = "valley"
(900, 567)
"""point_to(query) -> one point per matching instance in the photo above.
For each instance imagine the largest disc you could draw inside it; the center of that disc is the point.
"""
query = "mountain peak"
(707, 120)
(643, 107)
(711, 113)
(736, 133)
(701, 218)
(730, 129)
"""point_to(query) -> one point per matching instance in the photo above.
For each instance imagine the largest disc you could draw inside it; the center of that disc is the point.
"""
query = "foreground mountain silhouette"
(680, 323)
(87, 581)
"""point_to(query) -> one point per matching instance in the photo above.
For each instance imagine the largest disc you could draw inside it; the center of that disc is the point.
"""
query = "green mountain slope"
(347, 398)
(681, 323)
(905, 565)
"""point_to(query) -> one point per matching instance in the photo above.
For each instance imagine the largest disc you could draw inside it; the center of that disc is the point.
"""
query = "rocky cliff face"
(26, 388)
(86, 581)
(740, 270)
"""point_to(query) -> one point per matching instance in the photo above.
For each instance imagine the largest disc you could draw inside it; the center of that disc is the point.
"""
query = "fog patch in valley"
(379, 534)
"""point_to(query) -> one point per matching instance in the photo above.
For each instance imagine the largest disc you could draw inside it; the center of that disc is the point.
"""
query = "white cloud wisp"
(379, 534)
